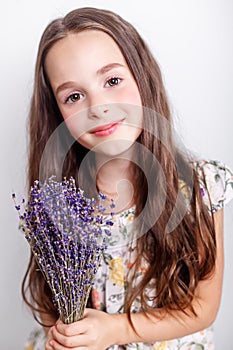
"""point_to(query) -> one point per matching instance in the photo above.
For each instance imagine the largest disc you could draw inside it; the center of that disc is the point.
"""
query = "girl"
(96, 78)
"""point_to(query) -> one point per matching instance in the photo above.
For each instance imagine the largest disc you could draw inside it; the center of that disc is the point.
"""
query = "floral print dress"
(109, 290)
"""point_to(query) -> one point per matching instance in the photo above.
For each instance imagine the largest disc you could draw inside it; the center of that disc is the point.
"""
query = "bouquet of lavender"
(68, 234)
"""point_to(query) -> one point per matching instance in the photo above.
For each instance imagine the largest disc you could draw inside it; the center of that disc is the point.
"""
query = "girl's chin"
(113, 148)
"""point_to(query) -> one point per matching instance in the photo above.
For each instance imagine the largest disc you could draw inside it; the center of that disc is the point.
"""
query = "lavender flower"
(68, 234)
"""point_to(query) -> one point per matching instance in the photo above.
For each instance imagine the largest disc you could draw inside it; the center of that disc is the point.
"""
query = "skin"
(86, 98)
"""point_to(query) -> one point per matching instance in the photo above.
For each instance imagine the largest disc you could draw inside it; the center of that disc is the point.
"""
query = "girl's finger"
(75, 328)
(48, 346)
(72, 342)
(57, 346)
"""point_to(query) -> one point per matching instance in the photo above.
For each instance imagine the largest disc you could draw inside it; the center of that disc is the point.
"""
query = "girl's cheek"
(131, 96)
(76, 124)
(68, 110)
(66, 113)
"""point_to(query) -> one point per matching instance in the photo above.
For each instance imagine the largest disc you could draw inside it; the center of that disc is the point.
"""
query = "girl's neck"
(114, 179)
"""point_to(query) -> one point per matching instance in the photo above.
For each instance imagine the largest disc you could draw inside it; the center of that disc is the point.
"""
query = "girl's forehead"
(87, 40)
(86, 49)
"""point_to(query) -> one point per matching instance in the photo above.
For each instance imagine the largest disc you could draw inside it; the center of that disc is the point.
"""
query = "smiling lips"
(106, 130)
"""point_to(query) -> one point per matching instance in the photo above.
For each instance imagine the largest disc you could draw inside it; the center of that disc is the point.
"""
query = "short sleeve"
(216, 183)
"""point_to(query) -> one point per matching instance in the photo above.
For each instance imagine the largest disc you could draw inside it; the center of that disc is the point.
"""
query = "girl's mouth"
(106, 129)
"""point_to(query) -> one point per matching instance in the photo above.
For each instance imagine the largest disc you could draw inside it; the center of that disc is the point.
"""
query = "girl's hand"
(95, 331)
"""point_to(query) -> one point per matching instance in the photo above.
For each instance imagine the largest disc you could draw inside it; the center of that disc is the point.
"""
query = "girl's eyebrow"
(108, 67)
(66, 85)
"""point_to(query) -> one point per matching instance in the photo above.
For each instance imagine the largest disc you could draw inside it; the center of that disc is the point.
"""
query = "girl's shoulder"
(216, 183)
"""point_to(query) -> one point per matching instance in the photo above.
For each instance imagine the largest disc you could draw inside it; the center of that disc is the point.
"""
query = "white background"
(192, 41)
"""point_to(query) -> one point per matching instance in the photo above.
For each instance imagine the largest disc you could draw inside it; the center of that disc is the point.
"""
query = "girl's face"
(95, 91)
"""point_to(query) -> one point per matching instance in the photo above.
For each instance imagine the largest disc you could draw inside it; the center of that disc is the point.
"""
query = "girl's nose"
(98, 107)
(98, 111)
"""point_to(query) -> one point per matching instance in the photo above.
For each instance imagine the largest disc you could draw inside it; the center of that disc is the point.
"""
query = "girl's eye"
(74, 98)
(113, 81)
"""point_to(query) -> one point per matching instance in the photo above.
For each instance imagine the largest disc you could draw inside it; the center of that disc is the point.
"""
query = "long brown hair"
(176, 261)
